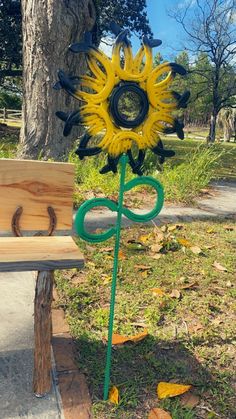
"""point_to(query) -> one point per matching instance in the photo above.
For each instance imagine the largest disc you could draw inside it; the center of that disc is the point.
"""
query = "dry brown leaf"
(143, 267)
(106, 249)
(120, 340)
(189, 400)
(175, 294)
(158, 291)
(196, 250)
(175, 227)
(156, 256)
(219, 267)
(114, 395)
(228, 284)
(184, 242)
(191, 285)
(229, 228)
(195, 327)
(155, 248)
(171, 389)
(159, 414)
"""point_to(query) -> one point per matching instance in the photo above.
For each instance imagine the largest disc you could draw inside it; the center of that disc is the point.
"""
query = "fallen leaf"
(189, 400)
(134, 245)
(171, 389)
(155, 248)
(144, 274)
(175, 294)
(159, 414)
(175, 227)
(228, 284)
(196, 250)
(184, 242)
(210, 230)
(195, 327)
(210, 246)
(158, 291)
(192, 285)
(122, 256)
(219, 267)
(106, 278)
(144, 239)
(156, 256)
(114, 395)
(229, 228)
(142, 267)
(106, 249)
(120, 340)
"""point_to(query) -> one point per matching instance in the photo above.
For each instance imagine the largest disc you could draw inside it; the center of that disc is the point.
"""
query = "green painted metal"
(113, 206)
(123, 160)
(96, 238)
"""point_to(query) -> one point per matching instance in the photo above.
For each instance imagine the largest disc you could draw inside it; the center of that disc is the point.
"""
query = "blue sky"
(163, 26)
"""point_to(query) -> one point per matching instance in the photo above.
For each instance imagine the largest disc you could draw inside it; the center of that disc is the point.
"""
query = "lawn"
(189, 316)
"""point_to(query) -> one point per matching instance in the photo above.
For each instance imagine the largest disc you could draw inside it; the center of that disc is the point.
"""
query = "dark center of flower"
(128, 105)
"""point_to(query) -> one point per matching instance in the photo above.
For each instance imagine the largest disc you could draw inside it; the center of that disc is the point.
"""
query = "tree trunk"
(49, 27)
(212, 132)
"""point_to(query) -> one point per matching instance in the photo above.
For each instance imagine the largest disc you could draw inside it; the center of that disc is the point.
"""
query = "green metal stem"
(123, 162)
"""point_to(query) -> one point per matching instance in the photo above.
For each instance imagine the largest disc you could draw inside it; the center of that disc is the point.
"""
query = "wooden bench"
(35, 204)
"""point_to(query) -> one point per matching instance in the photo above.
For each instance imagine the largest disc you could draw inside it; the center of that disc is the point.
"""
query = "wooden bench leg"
(42, 333)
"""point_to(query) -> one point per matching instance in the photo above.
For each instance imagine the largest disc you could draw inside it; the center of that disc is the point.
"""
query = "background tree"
(210, 28)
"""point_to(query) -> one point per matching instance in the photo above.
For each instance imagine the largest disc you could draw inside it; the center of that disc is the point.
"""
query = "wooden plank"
(42, 333)
(35, 185)
(39, 253)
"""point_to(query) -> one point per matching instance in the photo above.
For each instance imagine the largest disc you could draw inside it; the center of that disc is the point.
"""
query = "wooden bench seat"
(36, 208)
(39, 253)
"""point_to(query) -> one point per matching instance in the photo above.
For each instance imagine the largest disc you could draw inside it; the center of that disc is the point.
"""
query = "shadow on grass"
(137, 369)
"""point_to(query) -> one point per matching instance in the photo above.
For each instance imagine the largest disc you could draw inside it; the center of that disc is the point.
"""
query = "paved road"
(16, 352)
(221, 203)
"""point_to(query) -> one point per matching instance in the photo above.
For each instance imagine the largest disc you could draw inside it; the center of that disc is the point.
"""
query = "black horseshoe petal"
(66, 82)
(70, 119)
(116, 29)
(177, 68)
(136, 166)
(82, 151)
(182, 99)
(161, 152)
(111, 165)
(123, 38)
(62, 115)
(152, 43)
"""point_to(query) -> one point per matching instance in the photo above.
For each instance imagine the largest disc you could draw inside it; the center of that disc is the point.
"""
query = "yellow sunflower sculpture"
(125, 100)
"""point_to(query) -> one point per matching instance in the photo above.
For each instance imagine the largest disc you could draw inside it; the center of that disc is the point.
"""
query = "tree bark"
(212, 132)
(49, 27)
(42, 333)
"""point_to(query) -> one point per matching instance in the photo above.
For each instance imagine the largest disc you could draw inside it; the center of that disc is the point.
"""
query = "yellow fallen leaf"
(219, 267)
(144, 239)
(114, 395)
(155, 248)
(184, 242)
(144, 274)
(120, 340)
(159, 414)
(158, 291)
(171, 389)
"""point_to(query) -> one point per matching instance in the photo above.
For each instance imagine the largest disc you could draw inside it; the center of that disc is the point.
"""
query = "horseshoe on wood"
(15, 224)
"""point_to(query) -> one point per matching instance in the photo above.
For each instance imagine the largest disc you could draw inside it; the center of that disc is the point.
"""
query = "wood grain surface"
(39, 253)
(35, 185)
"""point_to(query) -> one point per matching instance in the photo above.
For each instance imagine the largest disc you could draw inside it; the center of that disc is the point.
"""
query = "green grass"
(191, 339)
